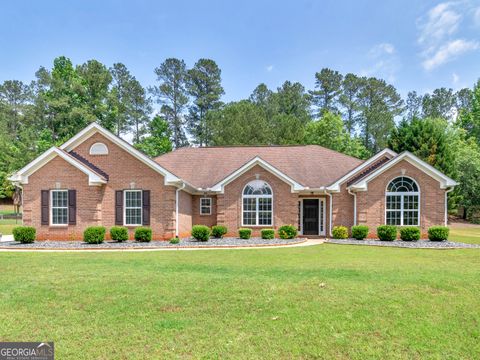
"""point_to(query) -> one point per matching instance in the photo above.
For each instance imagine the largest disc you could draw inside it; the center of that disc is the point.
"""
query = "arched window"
(402, 202)
(98, 149)
(257, 204)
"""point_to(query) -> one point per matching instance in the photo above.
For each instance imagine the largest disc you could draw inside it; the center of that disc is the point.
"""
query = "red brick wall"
(208, 220)
(185, 208)
(229, 204)
(371, 203)
(95, 205)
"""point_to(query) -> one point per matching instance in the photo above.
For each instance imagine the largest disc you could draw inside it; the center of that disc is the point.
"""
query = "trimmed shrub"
(218, 231)
(340, 232)
(268, 234)
(201, 232)
(410, 233)
(119, 233)
(143, 234)
(387, 232)
(438, 233)
(245, 233)
(287, 232)
(24, 234)
(94, 234)
(359, 232)
(174, 240)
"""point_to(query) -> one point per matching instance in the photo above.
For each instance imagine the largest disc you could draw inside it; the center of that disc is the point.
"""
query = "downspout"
(177, 192)
(330, 215)
(446, 205)
(354, 206)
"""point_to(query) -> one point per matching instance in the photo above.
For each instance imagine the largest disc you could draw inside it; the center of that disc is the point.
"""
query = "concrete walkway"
(307, 242)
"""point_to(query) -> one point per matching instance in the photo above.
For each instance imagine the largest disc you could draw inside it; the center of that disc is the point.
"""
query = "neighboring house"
(96, 178)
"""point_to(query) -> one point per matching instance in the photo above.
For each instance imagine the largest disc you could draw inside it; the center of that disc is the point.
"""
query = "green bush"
(24, 234)
(94, 234)
(359, 232)
(201, 232)
(340, 232)
(268, 233)
(287, 232)
(438, 233)
(218, 231)
(119, 233)
(143, 234)
(410, 233)
(387, 232)
(245, 233)
(174, 240)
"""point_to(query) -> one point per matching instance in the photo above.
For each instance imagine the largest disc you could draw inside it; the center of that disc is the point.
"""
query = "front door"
(310, 216)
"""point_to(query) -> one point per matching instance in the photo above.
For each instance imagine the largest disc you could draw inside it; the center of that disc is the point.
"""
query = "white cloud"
(448, 52)
(455, 78)
(385, 62)
(269, 68)
(476, 17)
(437, 33)
(441, 20)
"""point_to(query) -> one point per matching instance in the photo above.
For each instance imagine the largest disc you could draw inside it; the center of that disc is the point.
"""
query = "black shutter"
(119, 207)
(45, 200)
(146, 207)
(72, 207)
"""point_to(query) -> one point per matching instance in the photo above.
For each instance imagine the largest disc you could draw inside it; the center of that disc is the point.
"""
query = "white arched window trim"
(257, 205)
(98, 149)
(400, 206)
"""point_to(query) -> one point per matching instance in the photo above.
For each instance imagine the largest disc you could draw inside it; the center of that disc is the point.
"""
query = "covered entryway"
(312, 216)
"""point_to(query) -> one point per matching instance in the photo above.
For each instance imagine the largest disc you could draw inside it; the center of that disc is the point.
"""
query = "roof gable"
(444, 180)
(22, 175)
(95, 128)
(220, 186)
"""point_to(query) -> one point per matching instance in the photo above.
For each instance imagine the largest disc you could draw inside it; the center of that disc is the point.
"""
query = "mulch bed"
(184, 243)
(421, 244)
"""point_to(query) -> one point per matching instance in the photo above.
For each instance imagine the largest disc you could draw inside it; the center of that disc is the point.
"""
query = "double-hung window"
(133, 207)
(402, 202)
(257, 204)
(205, 206)
(59, 207)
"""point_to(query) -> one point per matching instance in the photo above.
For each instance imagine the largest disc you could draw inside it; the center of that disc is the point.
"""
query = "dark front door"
(310, 216)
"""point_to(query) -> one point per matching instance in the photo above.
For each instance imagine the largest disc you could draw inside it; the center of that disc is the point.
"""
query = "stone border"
(420, 244)
(89, 248)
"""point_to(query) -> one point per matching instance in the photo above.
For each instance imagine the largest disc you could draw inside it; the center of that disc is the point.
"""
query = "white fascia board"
(94, 128)
(219, 187)
(21, 176)
(335, 187)
(445, 181)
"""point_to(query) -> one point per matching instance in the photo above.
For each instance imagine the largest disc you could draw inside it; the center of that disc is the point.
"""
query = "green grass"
(7, 225)
(470, 235)
(327, 301)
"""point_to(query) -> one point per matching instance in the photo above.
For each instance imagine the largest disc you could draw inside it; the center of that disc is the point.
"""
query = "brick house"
(96, 178)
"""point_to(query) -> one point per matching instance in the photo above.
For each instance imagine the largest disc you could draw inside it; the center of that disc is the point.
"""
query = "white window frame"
(402, 195)
(257, 211)
(58, 207)
(130, 207)
(98, 148)
(209, 206)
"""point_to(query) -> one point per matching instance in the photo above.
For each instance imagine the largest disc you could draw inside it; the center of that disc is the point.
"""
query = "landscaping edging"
(224, 243)
(421, 244)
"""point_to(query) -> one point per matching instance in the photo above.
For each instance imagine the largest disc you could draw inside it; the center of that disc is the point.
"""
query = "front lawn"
(7, 225)
(327, 301)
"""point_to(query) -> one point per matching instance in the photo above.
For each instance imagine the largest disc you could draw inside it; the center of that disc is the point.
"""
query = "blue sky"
(416, 45)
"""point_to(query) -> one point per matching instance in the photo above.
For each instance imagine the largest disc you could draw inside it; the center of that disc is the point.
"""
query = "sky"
(415, 45)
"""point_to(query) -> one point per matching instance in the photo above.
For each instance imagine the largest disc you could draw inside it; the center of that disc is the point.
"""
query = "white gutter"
(354, 207)
(176, 207)
(331, 214)
(446, 205)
